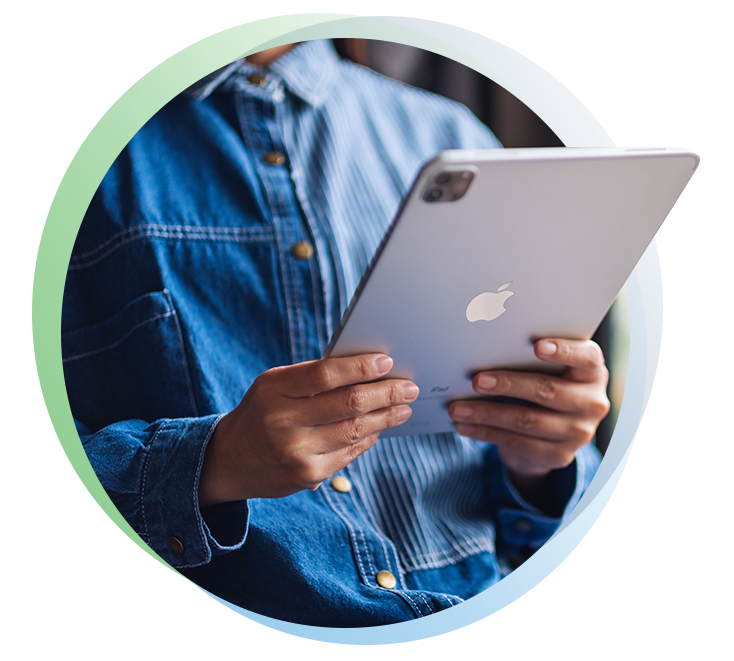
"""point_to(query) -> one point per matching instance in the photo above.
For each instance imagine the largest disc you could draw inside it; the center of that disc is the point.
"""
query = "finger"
(521, 453)
(346, 455)
(339, 435)
(317, 376)
(552, 392)
(584, 358)
(330, 463)
(528, 421)
(354, 401)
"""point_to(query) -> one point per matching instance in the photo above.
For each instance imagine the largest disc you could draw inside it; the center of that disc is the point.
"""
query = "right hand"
(298, 425)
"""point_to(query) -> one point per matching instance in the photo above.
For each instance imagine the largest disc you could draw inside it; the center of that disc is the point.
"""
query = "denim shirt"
(183, 286)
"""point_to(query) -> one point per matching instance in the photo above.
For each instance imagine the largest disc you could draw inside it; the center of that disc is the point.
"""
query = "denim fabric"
(181, 289)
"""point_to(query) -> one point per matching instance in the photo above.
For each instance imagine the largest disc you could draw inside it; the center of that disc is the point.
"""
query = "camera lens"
(435, 194)
(443, 178)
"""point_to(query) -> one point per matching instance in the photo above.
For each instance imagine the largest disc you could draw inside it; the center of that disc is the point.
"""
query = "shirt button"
(523, 525)
(341, 484)
(176, 545)
(257, 79)
(386, 580)
(274, 158)
(302, 250)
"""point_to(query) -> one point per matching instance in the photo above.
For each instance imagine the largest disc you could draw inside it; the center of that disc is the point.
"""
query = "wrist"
(548, 492)
(528, 485)
(215, 484)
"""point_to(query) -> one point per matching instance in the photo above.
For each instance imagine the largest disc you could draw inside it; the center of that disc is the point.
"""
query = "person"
(212, 266)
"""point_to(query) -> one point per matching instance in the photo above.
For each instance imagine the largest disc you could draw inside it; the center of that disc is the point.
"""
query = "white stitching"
(144, 478)
(337, 504)
(242, 115)
(375, 528)
(190, 232)
(197, 507)
(171, 229)
(142, 506)
(425, 602)
(366, 547)
(315, 280)
(121, 340)
(179, 336)
(282, 201)
(448, 557)
(352, 534)
(415, 606)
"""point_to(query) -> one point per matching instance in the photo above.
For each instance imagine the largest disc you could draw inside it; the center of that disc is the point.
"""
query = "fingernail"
(487, 381)
(547, 348)
(383, 364)
(465, 429)
(410, 392)
(462, 411)
(404, 412)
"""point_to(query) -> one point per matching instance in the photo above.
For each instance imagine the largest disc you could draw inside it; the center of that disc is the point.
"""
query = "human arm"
(150, 471)
(154, 473)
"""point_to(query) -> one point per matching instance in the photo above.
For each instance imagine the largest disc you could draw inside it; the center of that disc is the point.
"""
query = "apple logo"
(489, 305)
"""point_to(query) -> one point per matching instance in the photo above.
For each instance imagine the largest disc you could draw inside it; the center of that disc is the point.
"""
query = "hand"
(533, 441)
(298, 425)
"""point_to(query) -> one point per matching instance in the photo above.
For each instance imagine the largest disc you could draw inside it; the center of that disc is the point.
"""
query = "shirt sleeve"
(522, 528)
(151, 474)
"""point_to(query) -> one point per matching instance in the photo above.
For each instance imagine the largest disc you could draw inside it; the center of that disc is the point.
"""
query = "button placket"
(257, 110)
(368, 547)
(347, 505)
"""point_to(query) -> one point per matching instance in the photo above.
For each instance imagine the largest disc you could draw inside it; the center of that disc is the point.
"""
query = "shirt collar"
(308, 70)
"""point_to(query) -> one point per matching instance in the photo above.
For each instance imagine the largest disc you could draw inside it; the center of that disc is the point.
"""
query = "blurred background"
(598, 71)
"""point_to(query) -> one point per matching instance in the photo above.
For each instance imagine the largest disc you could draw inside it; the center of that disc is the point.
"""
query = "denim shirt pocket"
(138, 356)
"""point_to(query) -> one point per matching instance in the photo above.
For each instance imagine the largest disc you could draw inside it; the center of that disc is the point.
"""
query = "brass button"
(274, 158)
(257, 79)
(341, 484)
(386, 580)
(176, 546)
(302, 250)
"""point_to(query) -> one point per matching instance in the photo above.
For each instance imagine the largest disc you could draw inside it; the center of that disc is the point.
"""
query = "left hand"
(533, 441)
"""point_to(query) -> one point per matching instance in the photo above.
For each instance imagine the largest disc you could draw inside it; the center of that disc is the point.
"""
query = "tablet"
(492, 250)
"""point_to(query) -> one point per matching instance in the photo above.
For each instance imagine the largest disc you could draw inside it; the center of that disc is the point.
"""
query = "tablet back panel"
(565, 227)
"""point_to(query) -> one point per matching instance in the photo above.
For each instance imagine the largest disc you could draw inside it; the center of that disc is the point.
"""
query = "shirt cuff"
(174, 526)
(521, 527)
(524, 525)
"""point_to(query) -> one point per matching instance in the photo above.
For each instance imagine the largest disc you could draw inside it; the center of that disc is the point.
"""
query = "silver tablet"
(492, 250)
